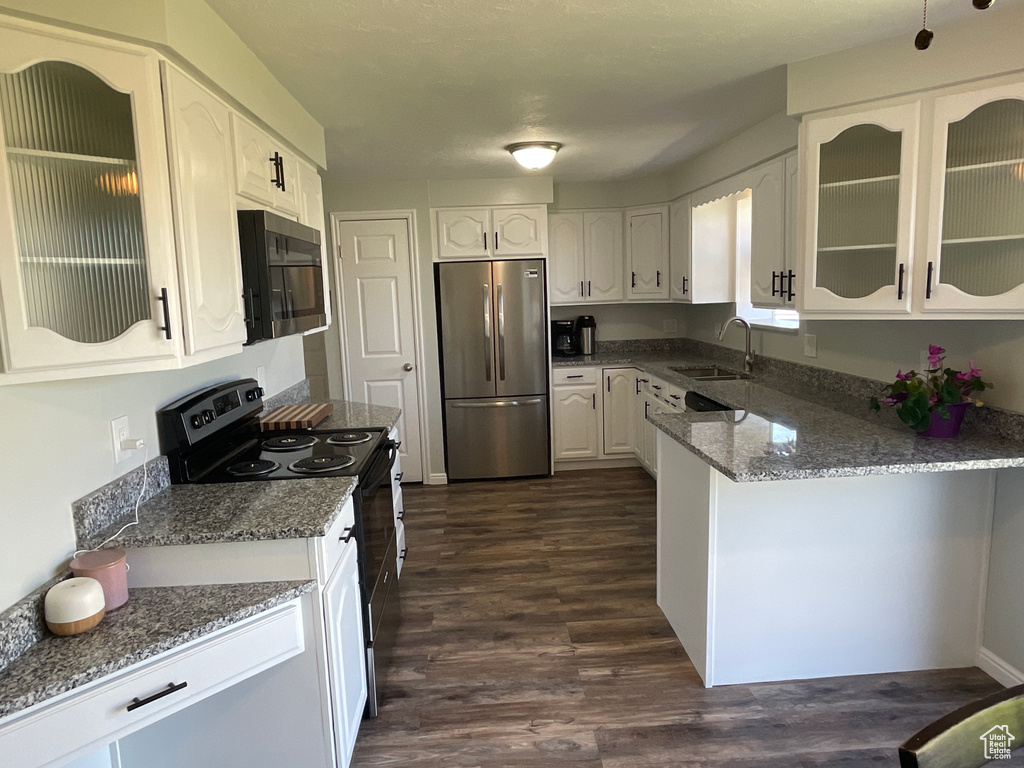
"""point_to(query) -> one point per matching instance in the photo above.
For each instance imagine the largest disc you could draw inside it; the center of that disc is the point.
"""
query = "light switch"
(810, 345)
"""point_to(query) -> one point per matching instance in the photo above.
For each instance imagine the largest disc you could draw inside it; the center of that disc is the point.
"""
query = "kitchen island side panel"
(685, 548)
(821, 577)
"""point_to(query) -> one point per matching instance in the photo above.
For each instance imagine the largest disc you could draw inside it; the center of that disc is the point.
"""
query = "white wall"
(57, 448)
(617, 322)
(1004, 600)
(987, 43)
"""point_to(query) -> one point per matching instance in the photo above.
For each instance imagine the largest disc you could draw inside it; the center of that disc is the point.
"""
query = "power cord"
(133, 444)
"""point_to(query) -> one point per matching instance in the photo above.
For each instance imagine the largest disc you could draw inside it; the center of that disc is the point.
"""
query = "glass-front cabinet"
(88, 276)
(862, 181)
(975, 254)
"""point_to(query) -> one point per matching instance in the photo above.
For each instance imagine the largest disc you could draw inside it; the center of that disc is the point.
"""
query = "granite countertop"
(352, 415)
(228, 512)
(154, 620)
(778, 433)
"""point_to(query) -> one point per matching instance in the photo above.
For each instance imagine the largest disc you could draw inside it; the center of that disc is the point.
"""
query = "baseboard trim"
(436, 478)
(1003, 672)
(562, 466)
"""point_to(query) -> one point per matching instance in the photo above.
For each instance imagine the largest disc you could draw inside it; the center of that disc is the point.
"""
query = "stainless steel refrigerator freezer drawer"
(497, 437)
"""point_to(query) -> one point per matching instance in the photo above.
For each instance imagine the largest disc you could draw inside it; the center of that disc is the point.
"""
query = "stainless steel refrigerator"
(494, 360)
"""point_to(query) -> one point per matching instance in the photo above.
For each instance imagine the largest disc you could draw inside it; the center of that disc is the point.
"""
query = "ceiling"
(416, 89)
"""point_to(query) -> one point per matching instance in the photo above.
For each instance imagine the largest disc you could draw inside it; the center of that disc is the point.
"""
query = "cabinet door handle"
(928, 284)
(575, 376)
(657, 278)
(405, 551)
(495, 242)
(581, 289)
(791, 276)
(171, 688)
(685, 280)
(347, 534)
(775, 280)
(899, 287)
(166, 327)
(400, 475)
(634, 279)
(280, 170)
(588, 288)
(594, 399)
(609, 380)
(485, 241)
(401, 515)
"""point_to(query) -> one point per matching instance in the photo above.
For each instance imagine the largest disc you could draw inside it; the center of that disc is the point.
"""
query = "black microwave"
(282, 275)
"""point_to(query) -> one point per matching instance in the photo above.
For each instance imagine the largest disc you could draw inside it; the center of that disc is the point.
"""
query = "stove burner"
(289, 442)
(253, 468)
(317, 464)
(350, 438)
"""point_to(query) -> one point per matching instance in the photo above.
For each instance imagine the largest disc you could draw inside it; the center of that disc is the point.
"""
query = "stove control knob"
(261, 391)
(209, 416)
(197, 421)
(252, 394)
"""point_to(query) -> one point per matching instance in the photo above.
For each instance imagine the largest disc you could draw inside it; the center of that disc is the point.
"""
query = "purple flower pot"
(940, 427)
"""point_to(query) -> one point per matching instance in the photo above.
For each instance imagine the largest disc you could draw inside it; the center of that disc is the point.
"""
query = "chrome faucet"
(748, 360)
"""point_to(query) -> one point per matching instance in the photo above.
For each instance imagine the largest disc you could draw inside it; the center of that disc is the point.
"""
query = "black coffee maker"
(563, 338)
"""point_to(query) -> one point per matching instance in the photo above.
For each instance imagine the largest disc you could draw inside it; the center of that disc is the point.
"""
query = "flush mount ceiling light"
(534, 155)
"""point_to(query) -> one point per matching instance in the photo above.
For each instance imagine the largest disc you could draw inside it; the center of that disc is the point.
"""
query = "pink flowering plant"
(916, 396)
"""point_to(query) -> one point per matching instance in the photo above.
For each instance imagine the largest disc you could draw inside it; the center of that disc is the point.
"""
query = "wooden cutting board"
(296, 416)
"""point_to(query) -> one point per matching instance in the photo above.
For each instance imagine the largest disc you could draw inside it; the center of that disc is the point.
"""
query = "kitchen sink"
(711, 373)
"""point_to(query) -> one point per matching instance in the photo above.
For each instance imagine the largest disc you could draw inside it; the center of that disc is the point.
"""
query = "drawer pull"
(171, 688)
(347, 534)
(405, 551)
(399, 476)
(401, 515)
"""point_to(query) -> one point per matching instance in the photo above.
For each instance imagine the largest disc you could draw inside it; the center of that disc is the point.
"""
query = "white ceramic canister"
(73, 606)
(109, 568)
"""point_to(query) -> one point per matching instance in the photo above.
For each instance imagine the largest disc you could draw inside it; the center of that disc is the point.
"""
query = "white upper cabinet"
(771, 277)
(265, 172)
(586, 257)
(492, 233)
(311, 213)
(679, 231)
(711, 273)
(206, 227)
(602, 256)
(566, 273)
(861, 176)
(87, 280)
(975, 250)
(647, 259)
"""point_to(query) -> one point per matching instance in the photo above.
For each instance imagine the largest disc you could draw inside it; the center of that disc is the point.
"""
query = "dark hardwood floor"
(531, 637)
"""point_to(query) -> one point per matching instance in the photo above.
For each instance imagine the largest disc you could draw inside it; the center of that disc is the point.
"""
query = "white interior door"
(376, 276)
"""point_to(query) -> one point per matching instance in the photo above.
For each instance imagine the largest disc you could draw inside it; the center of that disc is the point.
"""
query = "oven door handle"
(375, 477)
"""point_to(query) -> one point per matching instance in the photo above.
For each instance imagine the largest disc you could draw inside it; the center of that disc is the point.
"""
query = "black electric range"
(213, 436)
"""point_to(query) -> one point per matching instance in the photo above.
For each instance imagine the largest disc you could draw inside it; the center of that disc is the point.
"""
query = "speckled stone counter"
(153, 620)
(229, 512)
(779, 433)
(352, 415)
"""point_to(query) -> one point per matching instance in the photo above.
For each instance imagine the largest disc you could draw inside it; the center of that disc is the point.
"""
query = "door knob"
(407, 367)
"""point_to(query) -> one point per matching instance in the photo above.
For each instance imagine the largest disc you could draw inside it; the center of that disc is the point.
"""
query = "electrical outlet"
(670, 326)
(810, 345)
(261, 376)
(119, 433)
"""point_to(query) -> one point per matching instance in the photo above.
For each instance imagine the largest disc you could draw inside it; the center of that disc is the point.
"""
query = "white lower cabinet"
(576, 421)
(322, 691)
(619, 411)
(345, 654)
(83, 720)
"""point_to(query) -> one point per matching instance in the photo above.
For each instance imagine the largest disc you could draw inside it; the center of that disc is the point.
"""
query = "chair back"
(972, 736)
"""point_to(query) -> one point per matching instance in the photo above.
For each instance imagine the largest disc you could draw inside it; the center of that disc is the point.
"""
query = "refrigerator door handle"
(487, 330)
(500, 403)
(501, 334)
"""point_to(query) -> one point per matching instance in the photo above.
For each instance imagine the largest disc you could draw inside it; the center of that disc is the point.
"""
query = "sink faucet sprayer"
(748, 360)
